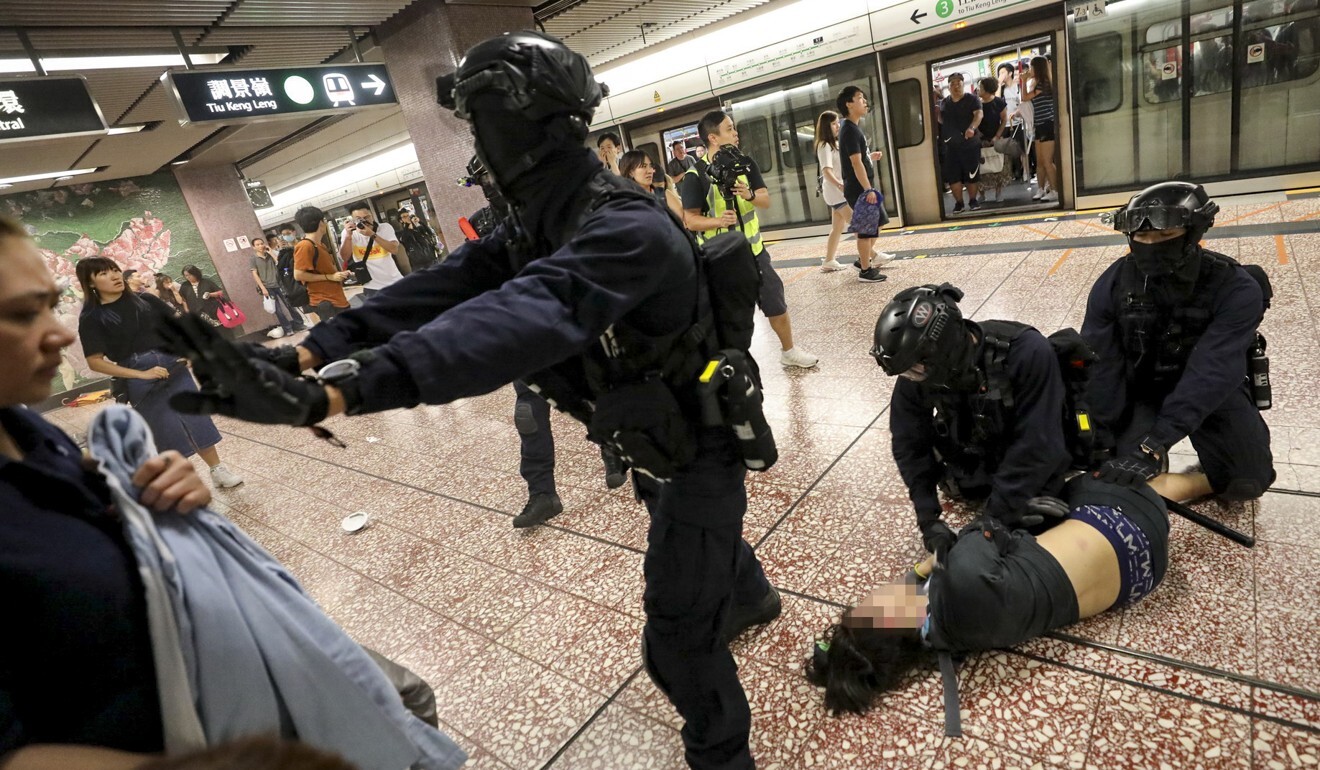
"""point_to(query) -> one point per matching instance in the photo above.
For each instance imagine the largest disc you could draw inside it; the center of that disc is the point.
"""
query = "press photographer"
(372, 251)
(725, 194)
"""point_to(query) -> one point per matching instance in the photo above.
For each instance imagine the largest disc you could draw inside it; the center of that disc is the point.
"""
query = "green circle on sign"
(299, 90)
(944, 8)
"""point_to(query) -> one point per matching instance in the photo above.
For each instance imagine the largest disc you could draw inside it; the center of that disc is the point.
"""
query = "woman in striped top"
(1041, 97)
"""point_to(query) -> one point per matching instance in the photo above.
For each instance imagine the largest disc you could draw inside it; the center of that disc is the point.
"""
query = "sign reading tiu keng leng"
(42, 108)
(229, 95)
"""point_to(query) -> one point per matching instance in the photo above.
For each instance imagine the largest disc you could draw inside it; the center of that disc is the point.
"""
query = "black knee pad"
(1241, 490)
(524, 420)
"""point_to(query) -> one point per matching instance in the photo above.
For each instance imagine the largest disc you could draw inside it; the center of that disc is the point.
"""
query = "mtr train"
(1222, 92)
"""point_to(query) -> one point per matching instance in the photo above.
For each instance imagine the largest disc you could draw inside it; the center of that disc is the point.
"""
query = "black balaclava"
(1177, 258)
(953, 366)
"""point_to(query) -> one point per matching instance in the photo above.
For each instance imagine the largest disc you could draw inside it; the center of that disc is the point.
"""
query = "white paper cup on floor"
(355, 521)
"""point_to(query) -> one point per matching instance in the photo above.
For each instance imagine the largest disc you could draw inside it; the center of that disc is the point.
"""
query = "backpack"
(293, 289)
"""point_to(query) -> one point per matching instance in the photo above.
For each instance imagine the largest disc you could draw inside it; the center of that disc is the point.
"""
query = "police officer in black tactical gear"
(594, 295)
(1174, 326)
(978, 409)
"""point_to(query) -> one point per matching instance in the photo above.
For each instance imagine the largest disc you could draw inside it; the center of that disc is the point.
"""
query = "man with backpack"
(1175, 328)
(978, 410)
(593, 294)
(266, 272)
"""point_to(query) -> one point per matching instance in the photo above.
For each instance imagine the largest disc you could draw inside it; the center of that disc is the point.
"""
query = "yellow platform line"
(1041, 232)
(1059, 264)
(1283, 251)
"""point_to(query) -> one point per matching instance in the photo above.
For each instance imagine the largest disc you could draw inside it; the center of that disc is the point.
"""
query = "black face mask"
(1155, 260)
(954, 367)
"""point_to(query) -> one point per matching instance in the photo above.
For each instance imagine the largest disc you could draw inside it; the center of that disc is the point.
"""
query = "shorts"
(1136, 525)
(837, 206)
(1045, 131)
(771, 299)
(962, 162)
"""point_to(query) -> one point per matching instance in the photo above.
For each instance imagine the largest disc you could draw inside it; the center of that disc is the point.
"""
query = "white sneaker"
(885, 255)
(275, 333)
(1038, 195)
(831, 266)
(1049, 197)
(224, 478)
(796, 357)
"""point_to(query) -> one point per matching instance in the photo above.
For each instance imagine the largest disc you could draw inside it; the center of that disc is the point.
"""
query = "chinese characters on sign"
(229, 95)
(9, 105)
(39, 108)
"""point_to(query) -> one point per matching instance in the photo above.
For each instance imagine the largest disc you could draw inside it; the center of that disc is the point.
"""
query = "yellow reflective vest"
(715, 207)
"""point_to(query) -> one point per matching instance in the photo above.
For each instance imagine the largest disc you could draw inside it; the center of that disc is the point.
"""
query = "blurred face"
(680, 152)
(259, 245)
(899, 606)
(1005, 76)
(1158, 236)
(287, 235)
(858, 106)
(31, 336)
(109, 282)
(644, 174)
(136, 282)
(955, 87)
(726, 134)
(363, 214)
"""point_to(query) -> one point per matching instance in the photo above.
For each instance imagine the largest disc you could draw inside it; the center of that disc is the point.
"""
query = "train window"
(1163, 74)
(1212, 66)
(754, 139)
(906, 100)
(652, 151)
(1099, 73)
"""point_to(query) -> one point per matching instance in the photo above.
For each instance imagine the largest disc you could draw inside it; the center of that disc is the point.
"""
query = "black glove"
(1135, 467)
(1040, 509)
(237, 386)
(938, 538)
(283, 357)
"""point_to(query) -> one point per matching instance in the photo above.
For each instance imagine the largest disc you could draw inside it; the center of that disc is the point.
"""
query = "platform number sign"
(944, 8)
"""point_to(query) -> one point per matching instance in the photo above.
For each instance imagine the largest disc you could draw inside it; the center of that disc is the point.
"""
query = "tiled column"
(421, 43)
(221, 208)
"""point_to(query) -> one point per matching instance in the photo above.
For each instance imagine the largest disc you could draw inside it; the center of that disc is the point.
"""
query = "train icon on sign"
(338, 89)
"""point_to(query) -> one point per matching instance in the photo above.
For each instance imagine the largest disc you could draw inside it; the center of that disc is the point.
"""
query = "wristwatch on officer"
(343, 374)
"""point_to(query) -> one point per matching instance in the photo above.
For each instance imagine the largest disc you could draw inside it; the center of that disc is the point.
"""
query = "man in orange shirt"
(314, 265)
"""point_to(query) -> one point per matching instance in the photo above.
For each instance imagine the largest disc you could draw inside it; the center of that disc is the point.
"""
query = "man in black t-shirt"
(959, 128)
(680, 163)
(858, 175)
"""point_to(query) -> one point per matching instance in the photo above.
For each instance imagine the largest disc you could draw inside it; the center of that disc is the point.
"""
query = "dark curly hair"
(858, 664)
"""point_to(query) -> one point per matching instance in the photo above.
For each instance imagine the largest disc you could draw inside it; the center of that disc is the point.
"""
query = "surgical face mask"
(287, 238)
(1154, 260)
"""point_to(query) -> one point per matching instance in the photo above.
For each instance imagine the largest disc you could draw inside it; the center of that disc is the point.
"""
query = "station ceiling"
(264, 33)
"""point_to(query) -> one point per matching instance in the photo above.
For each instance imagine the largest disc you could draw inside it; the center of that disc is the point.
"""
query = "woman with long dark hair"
(168, 291)
(1041, 98)
(636, 165)
(997, 588)
(119, 334)
(831, 185)
(200, 294)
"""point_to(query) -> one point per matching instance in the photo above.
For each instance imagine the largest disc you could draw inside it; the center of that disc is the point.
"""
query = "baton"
(1217, 527)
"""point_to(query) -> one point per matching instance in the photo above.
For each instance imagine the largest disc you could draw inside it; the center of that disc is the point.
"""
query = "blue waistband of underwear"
(1135, 569)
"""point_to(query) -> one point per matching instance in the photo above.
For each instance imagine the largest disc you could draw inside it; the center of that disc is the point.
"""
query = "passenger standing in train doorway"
(959, 133)
(1040, 94)
(1010, 90)
(710, 208)
(858, 173)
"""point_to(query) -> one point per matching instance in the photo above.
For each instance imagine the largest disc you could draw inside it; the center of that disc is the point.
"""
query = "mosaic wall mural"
(143, 224)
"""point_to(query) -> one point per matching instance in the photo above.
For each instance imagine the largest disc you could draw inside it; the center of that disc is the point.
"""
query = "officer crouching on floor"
(1174, 326)
(592, 293)
(977, 409)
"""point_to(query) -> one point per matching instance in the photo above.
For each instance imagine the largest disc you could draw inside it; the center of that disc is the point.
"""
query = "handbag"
(268, 304)
(229, 315)
(359, 267)
(992, 162)
(867, 218)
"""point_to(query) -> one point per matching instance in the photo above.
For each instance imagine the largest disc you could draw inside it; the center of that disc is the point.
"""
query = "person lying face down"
(998, 588)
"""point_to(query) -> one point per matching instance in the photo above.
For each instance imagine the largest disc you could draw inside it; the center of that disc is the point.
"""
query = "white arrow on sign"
(374, 82)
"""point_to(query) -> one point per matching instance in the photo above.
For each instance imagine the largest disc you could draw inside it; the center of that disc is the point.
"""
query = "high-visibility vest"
(715, 207)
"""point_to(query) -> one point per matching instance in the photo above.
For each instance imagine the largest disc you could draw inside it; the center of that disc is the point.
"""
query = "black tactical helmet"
(922, 325)
(532, 88)
(1168, 205)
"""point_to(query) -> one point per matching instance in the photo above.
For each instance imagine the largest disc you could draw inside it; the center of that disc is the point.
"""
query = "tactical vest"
(716, 206)
(975, 429)
(1158, 337)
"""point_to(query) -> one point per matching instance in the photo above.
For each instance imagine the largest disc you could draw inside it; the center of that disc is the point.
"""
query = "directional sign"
(906, 21)
(241, 95)
(41, 108)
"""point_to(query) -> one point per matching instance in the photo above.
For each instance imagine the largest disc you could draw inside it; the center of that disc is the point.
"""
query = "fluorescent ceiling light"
(49, 175)
(125, 129)
(342, 177)
(114, 62)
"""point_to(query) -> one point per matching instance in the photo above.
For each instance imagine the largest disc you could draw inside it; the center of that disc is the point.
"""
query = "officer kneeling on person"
(592, 293)
(1174, 326)
(978, 409)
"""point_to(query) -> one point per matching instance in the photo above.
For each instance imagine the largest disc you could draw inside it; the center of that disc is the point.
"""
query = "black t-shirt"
(75, 659)
(123, 327)
(676, 166)
(992, 115)
(957, 116)
(694, 187)
(851, 142)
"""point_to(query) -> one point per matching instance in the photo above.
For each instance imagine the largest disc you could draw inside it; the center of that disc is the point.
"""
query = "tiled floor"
(530, 638)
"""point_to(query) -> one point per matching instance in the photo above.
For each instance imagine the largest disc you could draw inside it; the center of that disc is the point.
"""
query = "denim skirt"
(184, 433)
